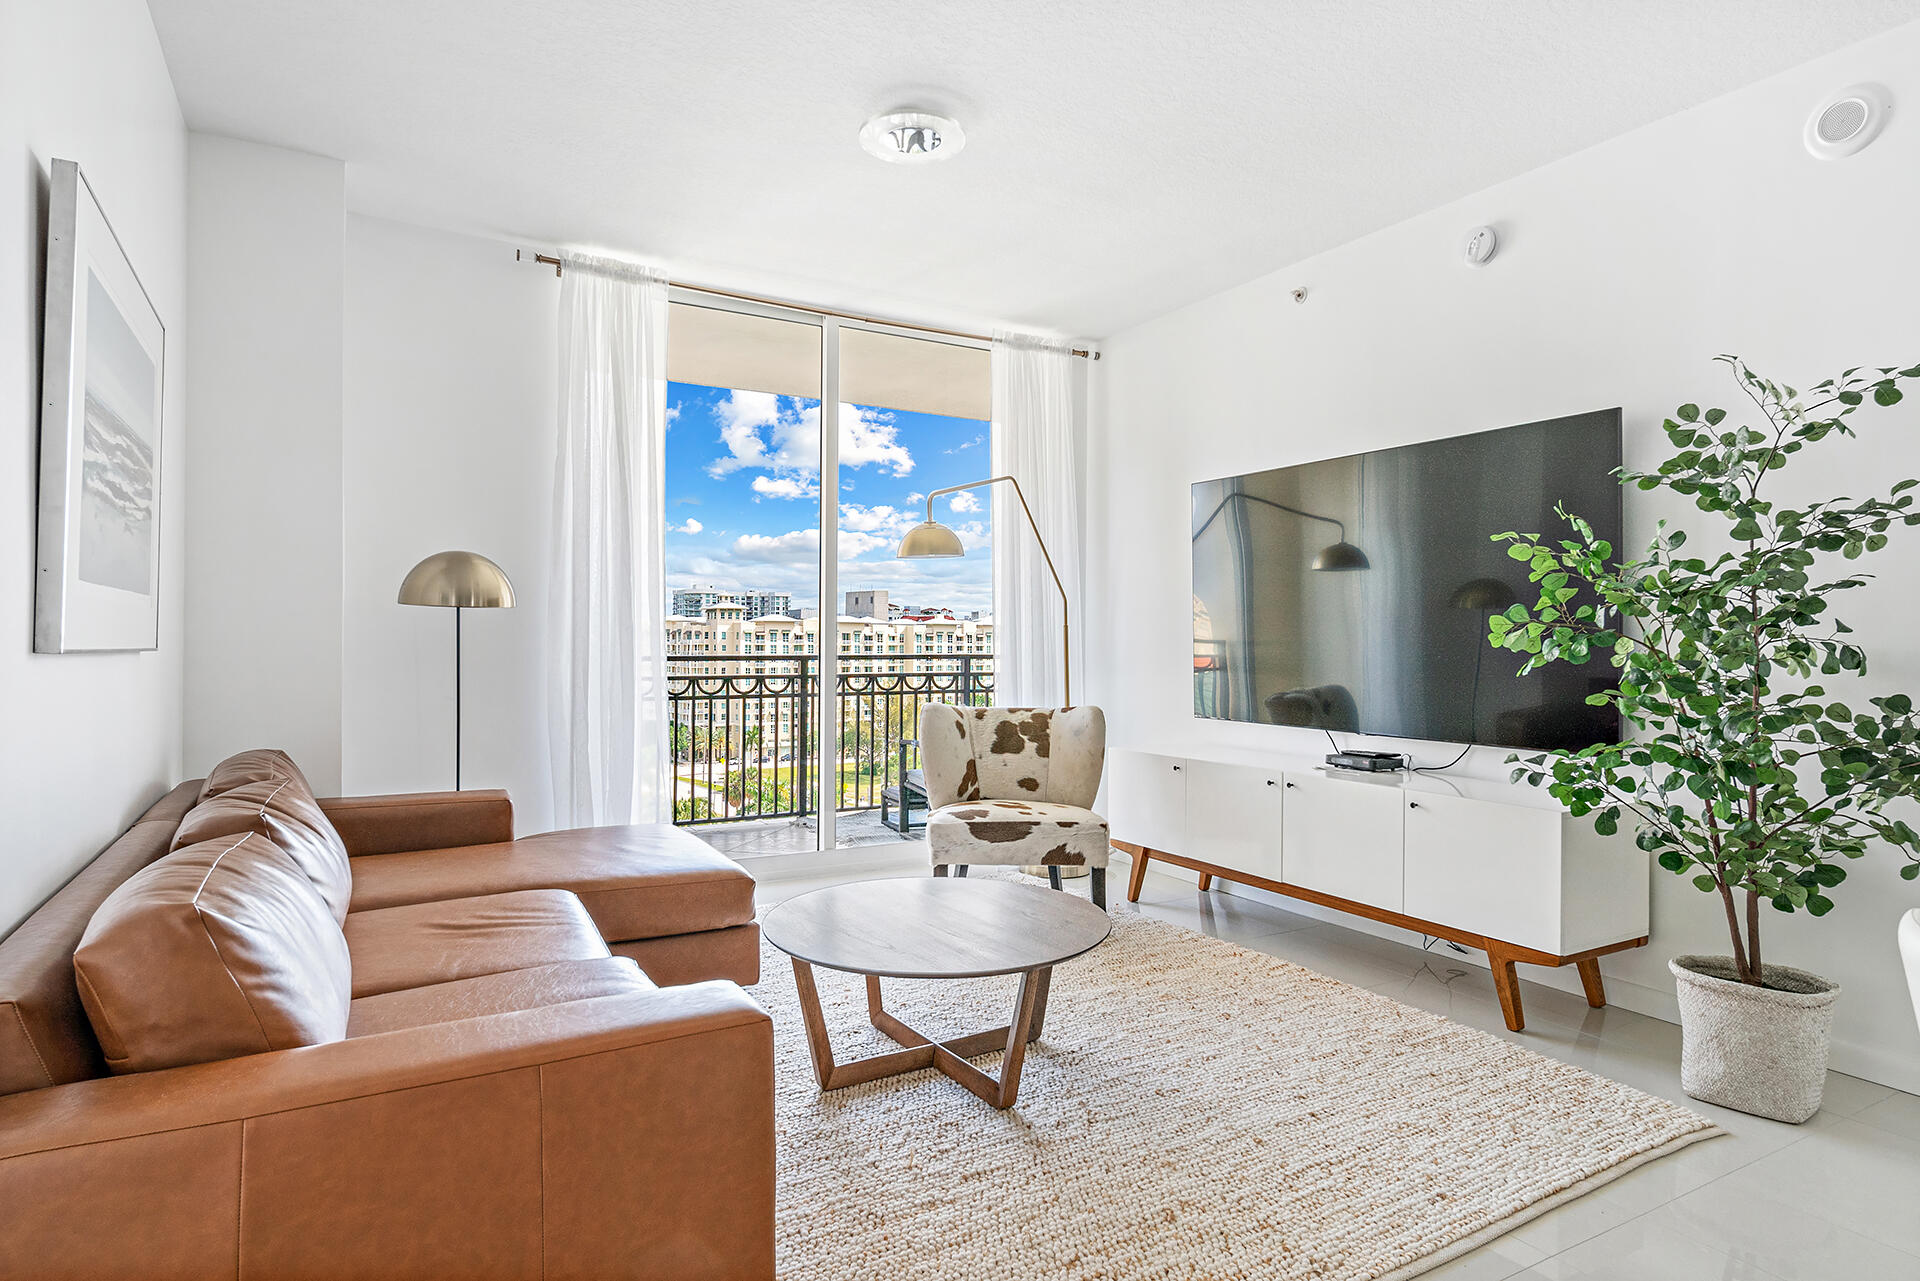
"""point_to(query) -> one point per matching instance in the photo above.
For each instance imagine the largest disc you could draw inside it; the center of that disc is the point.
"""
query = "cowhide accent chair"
(1015, 786)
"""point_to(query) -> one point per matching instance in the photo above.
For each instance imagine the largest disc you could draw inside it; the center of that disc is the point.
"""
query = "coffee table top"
(935, 927)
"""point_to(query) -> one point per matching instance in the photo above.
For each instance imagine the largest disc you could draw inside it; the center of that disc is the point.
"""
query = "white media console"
(1488, 865)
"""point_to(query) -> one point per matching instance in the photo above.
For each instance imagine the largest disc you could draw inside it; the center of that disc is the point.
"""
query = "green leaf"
(1885, 394)
(1706, 884)
(1689, 413)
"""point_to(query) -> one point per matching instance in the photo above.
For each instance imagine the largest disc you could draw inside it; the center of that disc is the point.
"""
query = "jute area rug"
(1194, 1109)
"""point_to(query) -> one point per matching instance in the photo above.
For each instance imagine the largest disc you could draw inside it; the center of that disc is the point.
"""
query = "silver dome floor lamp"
(457, 580)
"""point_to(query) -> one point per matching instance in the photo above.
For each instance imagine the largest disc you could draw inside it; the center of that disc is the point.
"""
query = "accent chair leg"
(1053, 877)
(960, 869)
(939, 869)
(1099, 887)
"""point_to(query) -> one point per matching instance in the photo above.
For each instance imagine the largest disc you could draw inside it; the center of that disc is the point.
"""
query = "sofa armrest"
(627, 1135)
(420, 820)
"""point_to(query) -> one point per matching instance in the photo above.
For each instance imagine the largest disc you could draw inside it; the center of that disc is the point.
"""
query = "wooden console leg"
(1590, 980)
(1507, 984)
(1206, 881)
(1138, 876)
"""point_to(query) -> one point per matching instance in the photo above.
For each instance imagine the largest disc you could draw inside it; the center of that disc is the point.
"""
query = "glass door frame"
(826, 760)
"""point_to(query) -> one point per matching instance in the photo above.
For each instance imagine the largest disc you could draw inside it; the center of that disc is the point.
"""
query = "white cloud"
(875, 519)
(869, 436)
(854, 543)
(968, 444)
(673, 414)
(797, 547)
(964, 501)
(782, 487)
(780, 435)
(690, 526)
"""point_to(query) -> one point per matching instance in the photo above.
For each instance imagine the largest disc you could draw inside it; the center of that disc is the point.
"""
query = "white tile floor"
(1837, 1198)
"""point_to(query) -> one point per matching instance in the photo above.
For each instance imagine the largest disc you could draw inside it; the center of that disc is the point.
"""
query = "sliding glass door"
(742, 544)
(914, 420)
(799, 450)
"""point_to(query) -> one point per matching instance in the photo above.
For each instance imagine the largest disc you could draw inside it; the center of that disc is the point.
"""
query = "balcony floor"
(797, 836)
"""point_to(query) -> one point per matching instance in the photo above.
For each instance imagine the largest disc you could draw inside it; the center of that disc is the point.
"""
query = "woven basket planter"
(1761, 1050)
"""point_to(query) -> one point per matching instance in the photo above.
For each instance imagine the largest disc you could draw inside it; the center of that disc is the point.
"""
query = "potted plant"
(1742, 770)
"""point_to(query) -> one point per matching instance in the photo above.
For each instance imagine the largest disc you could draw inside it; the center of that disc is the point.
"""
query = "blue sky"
(743, 497)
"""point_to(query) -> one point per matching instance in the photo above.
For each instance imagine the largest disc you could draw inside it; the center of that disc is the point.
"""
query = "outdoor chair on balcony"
(1015, 786)
(910, 793)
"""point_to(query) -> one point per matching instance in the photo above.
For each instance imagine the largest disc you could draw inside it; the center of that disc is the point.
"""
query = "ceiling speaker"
(1848, 121)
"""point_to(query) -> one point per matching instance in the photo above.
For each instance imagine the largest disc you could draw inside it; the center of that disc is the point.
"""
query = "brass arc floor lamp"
(932, 540)
(457, 580)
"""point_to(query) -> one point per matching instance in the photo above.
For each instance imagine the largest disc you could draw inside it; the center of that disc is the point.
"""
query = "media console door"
(1147, 800)
(1235, 815)
(1344, 837)
(1490, 868)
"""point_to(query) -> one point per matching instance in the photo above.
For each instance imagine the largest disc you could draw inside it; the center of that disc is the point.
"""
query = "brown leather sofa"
(547, 1067)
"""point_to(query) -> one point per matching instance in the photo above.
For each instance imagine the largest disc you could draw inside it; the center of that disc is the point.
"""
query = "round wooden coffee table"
(933, 928)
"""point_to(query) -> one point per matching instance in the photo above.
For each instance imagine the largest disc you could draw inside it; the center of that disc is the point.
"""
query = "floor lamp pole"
(458, 690)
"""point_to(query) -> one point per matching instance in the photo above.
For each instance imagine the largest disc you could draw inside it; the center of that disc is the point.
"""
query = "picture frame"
(102, 410)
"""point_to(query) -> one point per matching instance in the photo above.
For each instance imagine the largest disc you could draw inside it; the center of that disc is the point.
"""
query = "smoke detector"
(912, 137)
(1848, 121)
(1481, 245)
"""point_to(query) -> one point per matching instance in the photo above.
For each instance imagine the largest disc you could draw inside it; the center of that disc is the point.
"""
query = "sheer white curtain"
(607, 694)
(1033, 416)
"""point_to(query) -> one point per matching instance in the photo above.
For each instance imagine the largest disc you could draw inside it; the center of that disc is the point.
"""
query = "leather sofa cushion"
(281, 811)
(644, 881)
(259, 765)
(500, 993)
(217, 950)
(732, 953)
(45, 1038)
(420, 944)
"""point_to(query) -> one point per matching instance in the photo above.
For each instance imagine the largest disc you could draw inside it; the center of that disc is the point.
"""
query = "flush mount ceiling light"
(1847, 121)
(912, 137)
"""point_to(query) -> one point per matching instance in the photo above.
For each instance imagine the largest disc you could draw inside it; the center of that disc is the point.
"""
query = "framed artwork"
(97, 585)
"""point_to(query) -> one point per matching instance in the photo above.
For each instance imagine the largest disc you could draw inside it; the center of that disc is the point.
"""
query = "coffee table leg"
(832, 1075)
(1033, 989)
(1029, 1014)
(817, 1043)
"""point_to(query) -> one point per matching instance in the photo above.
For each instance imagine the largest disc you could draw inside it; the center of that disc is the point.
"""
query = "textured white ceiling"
(1121, 159)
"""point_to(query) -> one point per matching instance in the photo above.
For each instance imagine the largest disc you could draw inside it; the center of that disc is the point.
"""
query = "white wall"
(89, 740)
(451, 388)
(265, 253)
(1623, 271)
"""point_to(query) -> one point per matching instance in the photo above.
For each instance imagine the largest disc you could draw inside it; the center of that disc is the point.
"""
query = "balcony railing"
(745, 727)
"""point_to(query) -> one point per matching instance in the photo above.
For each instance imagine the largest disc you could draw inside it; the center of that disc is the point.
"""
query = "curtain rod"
(548, 260)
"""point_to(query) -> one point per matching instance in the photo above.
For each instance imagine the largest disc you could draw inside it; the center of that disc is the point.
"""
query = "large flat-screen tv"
(1352, 594)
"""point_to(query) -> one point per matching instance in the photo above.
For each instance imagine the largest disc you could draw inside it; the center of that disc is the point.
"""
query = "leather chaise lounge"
(264, 1035)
